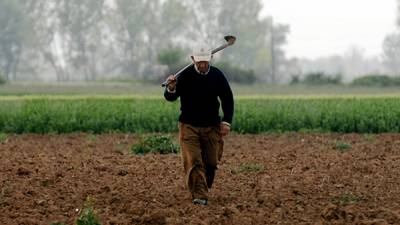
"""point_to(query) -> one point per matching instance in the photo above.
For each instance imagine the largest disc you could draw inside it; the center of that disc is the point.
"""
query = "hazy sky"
(326, 27)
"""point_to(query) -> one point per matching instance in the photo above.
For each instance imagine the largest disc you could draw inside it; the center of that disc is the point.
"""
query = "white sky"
(326, 27)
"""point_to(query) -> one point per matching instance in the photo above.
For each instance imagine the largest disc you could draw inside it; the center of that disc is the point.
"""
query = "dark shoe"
(200, 201)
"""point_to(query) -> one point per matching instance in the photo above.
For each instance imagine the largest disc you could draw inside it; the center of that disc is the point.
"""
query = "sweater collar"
(197, 70)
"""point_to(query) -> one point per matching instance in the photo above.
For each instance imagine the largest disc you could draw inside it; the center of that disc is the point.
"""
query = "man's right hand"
(171, 80)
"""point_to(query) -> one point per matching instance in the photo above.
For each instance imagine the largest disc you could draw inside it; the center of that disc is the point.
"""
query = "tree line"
(67, 40)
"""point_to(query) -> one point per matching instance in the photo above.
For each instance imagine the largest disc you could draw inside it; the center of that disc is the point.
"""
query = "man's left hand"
(225, 129)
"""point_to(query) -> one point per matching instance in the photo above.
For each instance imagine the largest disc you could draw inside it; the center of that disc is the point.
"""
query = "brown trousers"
(201, 149)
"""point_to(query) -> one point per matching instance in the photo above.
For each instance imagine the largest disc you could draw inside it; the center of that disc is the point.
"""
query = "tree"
(398, 13)
(204, 19)
(80, 36)
(130, 33)
(42, 18)
(391, 53)
(277, 37)
(252, 51)
(12, 23)
(391, 47)
(355, 62)
(67, 35)
(173, 58)
(145, 27)
(81, 40)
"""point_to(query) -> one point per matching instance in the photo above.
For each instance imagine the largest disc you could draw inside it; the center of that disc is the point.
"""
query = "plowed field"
(291, 178)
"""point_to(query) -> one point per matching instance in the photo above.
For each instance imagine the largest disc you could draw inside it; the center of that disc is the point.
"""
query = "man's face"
(202, 66)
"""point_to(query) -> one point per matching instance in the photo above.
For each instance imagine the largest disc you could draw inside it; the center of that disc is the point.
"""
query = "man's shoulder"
(190, 69)
(216, 71)
(186, 74)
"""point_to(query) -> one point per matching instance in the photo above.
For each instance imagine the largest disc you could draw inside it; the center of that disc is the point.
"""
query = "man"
(201, 129)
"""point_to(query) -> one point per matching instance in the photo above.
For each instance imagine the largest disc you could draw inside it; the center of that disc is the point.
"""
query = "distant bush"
(376, 81)
(172, 57)
(162, 144)
(2, 79)
(236, 74)
(294, 79)
(320, 78)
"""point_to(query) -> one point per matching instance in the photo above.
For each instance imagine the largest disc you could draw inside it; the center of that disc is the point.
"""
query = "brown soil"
(305, 179)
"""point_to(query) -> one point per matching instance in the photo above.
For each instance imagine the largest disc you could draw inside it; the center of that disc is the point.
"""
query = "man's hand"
(171, 80)
(225, 128)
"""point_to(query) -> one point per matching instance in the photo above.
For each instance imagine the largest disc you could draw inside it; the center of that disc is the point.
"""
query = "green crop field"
(253, 114)
(137, 88)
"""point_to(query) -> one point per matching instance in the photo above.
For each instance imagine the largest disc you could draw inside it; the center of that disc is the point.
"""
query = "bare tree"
(77, 24)
(398, 13)
(391, 53)
(42, 16)
(12, 25)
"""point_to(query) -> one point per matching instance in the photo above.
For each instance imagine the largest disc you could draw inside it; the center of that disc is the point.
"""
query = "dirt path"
(289, 179)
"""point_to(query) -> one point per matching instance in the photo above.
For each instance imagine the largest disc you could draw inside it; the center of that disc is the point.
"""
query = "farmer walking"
(202, 89)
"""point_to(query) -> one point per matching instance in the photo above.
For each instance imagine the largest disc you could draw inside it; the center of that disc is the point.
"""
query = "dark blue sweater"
(199, 97)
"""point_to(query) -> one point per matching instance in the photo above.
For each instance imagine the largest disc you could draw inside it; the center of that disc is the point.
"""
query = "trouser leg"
(195, 177)
(212, 151)
(210, 174)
